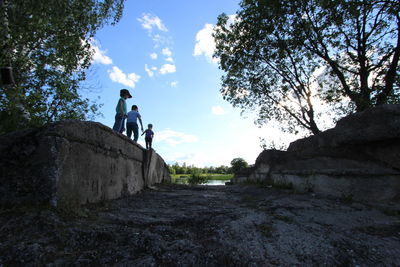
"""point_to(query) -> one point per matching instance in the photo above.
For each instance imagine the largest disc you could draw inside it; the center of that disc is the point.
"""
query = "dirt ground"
(175, 225)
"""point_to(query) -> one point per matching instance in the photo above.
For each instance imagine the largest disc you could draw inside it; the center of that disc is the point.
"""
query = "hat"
(125, 92)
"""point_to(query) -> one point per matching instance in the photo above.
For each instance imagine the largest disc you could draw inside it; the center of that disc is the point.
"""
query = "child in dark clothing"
(149, 136)
(132, 125)
(121, 112)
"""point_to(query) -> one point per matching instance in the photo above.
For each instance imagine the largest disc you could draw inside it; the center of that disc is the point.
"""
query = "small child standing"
(121, 111)
(131, 123)
(149, 136)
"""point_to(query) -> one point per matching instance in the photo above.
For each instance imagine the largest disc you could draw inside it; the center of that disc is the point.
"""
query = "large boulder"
(359, 158)
(73, 163)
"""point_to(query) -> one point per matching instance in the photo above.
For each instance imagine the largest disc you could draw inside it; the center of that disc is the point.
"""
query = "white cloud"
(174, 138)
(159, 40)
(167, 68)
(169, 59)
(166, 52)
(150, 71)
(205, 44)
(153, 56)
(149, 21)
(117, 75)
(217, 110)
(99, 56)
(174, 84)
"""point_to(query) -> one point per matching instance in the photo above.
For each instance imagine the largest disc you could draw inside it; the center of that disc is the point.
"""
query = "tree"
(238, 164)
(273, 50)
(48, 47)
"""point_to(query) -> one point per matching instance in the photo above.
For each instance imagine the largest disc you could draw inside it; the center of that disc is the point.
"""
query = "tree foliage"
(184, 169)
(273, 50)
(49, 50)
(238, 164)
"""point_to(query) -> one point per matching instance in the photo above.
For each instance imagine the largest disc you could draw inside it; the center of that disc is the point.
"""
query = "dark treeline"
(191, 169)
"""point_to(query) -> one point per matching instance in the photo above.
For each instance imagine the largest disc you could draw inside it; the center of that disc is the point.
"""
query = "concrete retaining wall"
(359, 158)
(72, 163)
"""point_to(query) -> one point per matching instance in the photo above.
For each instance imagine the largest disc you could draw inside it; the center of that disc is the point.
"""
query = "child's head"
(134, 107)
(124, 93)
(150, 126)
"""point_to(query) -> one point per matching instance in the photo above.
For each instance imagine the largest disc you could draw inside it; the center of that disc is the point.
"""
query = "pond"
(216, 182)
(209, 182)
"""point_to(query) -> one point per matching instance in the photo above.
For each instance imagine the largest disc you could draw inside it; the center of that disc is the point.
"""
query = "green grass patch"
(217, 176)
(280, 184)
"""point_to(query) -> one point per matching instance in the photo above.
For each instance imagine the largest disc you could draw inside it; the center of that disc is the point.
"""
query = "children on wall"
(131, 120)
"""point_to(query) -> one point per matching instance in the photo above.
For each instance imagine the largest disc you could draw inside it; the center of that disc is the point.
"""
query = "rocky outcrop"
(73, 163)
(359, 158)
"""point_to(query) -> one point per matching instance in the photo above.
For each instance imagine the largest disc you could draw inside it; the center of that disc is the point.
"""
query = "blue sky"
(161, 52)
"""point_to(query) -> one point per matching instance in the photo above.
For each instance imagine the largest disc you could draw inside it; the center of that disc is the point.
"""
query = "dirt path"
(206, 226)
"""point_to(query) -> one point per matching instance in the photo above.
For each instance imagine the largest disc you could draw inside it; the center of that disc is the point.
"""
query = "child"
(149, 136)
(121, 111)
(131, 123)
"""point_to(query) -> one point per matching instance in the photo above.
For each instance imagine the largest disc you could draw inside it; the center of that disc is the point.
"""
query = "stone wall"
(359, 158)
(73, 163)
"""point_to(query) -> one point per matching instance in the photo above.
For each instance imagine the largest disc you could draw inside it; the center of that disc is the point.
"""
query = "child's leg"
(118, 125)
(129, 129)
(135, 132)
(122, 125)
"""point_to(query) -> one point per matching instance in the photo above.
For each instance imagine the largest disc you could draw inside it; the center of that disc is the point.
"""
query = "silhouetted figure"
(121, 111)
(131, 123)
(149, 136)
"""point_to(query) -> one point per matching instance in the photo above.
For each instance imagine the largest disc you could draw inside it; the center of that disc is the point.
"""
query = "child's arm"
(141, 124)
(143, 132)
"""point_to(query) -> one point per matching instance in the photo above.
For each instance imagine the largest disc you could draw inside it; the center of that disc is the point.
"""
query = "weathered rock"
(360, 158)
(74, 162)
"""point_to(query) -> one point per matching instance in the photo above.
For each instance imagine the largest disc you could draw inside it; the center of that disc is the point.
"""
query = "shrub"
(196, 178)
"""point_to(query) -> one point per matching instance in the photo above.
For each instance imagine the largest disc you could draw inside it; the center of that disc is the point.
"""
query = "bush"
(196, 178)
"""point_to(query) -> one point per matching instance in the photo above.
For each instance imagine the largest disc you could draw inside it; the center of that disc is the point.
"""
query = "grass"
(209, 176)
(283, 218)
(265, 229)
(391, 212)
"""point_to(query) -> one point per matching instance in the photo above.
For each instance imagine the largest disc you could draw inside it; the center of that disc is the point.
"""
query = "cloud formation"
(174, 84)
(174, 138)
(117, 75)
(149, 21)
(217, 110)
(167, 68)
(205, 44)
(153, 56)
(149, 70)
(166, 52)
(99, 56)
